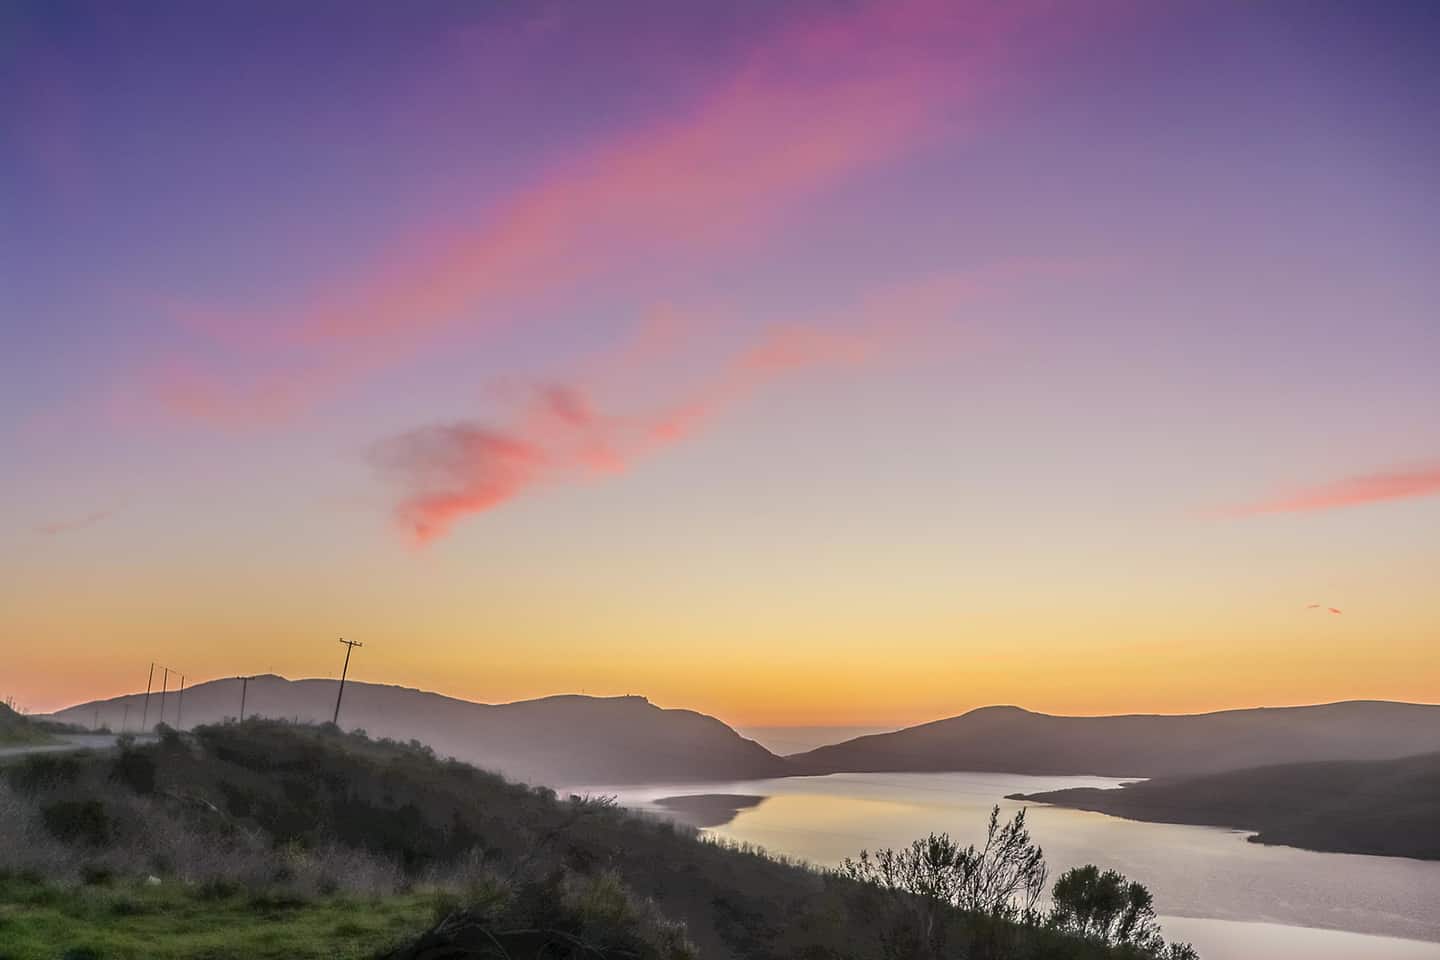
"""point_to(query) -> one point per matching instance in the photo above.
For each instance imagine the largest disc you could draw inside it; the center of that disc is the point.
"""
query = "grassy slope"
(129, 921)
(1387, 807)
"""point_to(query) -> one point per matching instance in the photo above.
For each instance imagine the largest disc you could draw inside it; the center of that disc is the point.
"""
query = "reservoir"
(1234, 900)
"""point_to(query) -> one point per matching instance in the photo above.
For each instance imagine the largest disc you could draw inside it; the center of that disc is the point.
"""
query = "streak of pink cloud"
(1397, 484)
(56, 527)
(448, 472)
(445, 473)
(829, 97)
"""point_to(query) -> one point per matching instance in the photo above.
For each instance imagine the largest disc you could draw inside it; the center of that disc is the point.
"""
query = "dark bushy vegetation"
(286, 819)
(942, 900)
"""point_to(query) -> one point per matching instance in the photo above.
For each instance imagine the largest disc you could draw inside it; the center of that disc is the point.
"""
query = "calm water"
(1234, 900)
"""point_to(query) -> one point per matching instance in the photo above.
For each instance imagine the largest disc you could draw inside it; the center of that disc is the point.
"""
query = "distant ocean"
(786, 740)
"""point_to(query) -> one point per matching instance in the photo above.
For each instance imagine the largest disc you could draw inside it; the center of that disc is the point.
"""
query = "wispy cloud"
(449, 471)
(829, 97)
(564, 434)
(68, 524)
(1394, 484)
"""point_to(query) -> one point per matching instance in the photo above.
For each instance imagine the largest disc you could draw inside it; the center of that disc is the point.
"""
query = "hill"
(269, 840)
(1389, 807)
(17, 729)
(554, 740)
(1012, 740)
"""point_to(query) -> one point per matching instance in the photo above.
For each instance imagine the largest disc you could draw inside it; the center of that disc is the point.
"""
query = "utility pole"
(145, 717)
(180, 707)
(350, 646)
(244, 685)
(164, 688)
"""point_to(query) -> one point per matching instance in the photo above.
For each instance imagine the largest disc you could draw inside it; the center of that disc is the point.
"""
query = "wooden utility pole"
(244, 686)
(145, 717)
(164, 688)
(350, 646)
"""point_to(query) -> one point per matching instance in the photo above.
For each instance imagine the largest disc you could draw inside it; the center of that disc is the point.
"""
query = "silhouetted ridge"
(1013, 740)
(564, 739)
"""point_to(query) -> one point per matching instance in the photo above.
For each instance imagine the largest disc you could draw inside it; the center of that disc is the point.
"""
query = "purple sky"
(562, 346)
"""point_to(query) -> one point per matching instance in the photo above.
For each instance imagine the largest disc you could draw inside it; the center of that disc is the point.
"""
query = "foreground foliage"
(997, 888)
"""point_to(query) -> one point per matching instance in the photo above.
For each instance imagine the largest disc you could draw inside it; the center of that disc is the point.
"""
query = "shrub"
(43, 771)
(1105, 906)
(78, 821)
(135, 769)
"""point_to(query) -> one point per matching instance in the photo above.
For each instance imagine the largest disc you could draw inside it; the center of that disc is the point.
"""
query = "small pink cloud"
(55, 527)
(448, 472)
(562, 434)
(1396, 484)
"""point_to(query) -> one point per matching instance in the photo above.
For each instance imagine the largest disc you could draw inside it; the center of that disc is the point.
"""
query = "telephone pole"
(244, 686)
(164, 688)
(145, 717)
(350, 646)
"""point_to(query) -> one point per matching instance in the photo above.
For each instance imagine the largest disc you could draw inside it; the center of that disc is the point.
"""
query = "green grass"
(168, 922)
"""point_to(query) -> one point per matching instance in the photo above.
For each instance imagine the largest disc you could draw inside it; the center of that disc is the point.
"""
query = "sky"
(799, 363)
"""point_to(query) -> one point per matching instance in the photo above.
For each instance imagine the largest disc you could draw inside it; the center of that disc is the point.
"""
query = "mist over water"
(1234, 899)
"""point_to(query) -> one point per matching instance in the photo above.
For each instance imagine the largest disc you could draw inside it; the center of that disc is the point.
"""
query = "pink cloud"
(563, 435)
(450, 471)
(829, 97)
(1399, 484)
(55, 527)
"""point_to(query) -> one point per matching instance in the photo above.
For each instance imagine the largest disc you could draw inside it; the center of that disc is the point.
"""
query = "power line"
(350, 646)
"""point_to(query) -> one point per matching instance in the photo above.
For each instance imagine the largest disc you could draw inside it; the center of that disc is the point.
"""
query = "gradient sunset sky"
(797, 363)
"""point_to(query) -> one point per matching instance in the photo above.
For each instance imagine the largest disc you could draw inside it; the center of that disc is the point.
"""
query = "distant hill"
(1012, 740)
(564, 740)
(1388, 807)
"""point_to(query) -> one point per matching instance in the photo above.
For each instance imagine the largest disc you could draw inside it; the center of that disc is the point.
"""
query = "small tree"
(1002, 880)
(1109, 908)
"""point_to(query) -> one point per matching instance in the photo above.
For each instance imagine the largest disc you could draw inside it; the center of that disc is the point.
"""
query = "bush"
(1104, 906)
(44, 771)
(135, 769)
(78, 821)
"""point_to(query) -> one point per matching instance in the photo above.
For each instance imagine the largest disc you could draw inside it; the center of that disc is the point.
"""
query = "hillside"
(267, 840)
(16, 728)
(1012, 740)
(555, 740)
(1389, 808)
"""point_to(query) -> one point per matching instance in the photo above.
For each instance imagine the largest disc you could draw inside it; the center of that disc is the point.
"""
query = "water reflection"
(1195, 872)
(708, 809)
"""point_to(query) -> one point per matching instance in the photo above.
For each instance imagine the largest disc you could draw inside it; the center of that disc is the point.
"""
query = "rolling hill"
(1388, 807)
(1013, 740)
(563, 740)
